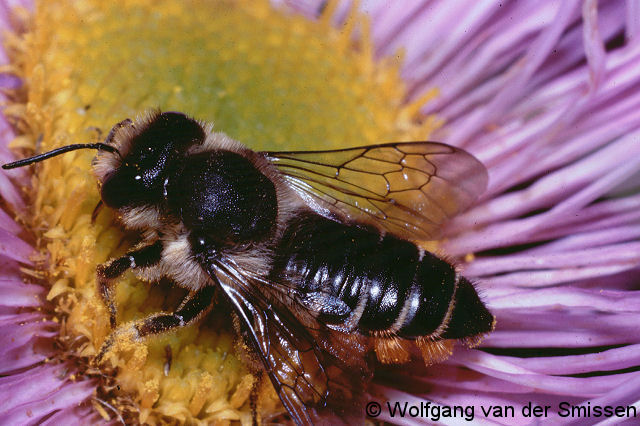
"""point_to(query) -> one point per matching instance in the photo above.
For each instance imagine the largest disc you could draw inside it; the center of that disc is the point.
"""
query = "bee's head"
(148, 152)
(134, 161)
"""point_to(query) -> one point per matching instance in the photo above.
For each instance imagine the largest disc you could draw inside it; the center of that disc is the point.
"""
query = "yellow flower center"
(268, 78)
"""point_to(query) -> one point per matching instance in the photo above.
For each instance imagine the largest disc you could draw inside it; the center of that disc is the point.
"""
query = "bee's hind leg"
(108, 272)
(193, 307)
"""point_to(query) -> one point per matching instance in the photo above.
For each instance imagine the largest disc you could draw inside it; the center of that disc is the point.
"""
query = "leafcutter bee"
(315, 251)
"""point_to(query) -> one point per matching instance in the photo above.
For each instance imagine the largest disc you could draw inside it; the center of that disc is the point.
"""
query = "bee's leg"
(253, 399)
(192, 307)
(96, 211)
(108, 272)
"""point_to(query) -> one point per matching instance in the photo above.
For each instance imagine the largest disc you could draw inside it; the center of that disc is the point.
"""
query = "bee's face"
(140, 177)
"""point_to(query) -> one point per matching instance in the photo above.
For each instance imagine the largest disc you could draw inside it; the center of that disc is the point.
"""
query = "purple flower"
(547, 95)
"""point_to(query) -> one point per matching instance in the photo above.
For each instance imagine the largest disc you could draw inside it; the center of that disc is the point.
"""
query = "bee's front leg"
(108, 272)
(192, 307)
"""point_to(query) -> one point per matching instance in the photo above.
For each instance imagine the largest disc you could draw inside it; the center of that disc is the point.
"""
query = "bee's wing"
(314, 385)
(407, 188)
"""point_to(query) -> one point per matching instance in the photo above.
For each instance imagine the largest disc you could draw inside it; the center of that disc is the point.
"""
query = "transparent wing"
(314, 386)
(407, 188)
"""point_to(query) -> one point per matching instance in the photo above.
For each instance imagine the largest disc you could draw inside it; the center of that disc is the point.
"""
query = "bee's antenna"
(58, 151)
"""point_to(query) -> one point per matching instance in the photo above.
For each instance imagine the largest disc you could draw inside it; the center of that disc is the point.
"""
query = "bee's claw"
(104, 349)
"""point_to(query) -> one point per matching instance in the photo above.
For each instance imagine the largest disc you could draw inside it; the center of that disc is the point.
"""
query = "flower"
(36, 379)
(546, 95)
(542, 93)
(81, 63)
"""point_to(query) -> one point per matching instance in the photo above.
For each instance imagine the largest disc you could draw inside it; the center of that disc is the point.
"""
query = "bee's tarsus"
(106, 347)
(96, 211)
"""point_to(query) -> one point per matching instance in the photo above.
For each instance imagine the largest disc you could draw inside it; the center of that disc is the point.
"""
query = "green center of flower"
(267, 78)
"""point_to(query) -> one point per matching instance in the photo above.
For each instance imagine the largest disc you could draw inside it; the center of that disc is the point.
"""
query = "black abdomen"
(356, 279)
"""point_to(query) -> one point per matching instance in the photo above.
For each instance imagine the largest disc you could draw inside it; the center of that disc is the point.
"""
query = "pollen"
(267, 77)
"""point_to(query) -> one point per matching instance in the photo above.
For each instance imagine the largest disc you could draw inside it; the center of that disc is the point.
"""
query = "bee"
(316, 251)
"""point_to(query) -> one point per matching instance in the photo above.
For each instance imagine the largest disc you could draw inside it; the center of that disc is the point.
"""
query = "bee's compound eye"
(120, 189)
(128, 187)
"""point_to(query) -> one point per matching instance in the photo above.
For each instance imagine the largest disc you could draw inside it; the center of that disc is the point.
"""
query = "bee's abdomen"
(356, 279)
